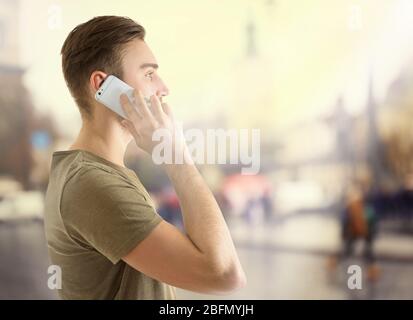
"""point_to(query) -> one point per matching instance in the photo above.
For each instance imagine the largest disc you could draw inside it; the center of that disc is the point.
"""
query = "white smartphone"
(110, 91)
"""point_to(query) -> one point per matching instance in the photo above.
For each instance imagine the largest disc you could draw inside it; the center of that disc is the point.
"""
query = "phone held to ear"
(110, 91)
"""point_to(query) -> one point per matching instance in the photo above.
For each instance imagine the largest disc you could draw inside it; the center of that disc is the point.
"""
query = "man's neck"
(104, 140)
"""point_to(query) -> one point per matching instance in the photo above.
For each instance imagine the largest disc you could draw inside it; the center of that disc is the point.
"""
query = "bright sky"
(311, 51)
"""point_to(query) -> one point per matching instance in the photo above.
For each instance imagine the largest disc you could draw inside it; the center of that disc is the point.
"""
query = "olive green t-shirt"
(96, 212)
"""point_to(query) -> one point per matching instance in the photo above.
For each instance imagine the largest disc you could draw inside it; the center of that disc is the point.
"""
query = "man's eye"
(149, 75)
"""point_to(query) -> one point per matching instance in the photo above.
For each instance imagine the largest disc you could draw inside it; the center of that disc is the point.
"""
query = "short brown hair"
(96, 45)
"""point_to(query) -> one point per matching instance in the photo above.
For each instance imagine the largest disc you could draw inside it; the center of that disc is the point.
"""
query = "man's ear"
(96, 79)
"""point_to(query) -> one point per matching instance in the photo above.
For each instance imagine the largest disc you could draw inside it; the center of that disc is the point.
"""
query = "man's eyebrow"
(149, 65)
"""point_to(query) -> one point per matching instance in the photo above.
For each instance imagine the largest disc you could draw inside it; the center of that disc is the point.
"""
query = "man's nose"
(163, 90)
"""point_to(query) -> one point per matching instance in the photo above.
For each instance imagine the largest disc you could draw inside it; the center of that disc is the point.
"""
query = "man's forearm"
(203, 219)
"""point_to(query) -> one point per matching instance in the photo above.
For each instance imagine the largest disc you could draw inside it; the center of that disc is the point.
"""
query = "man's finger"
(140, 101)
(156, 106)
(131, 113)
(167, 109)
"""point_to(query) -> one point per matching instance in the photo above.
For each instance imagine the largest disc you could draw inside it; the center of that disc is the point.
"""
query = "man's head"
(108, 45)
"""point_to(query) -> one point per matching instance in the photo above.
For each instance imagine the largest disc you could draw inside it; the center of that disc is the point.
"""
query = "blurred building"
(15, 106)
(24, 135)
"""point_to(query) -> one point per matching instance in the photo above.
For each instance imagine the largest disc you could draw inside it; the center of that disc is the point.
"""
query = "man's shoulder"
(96, 175)
(88, 182)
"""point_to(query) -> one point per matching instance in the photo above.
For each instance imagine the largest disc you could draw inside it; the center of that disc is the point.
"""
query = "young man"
(101, 225)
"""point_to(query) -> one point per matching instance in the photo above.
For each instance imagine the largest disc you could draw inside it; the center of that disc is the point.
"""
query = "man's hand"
(143, 121)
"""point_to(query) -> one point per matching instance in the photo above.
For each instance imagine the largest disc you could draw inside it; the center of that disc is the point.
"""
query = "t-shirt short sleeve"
(106, 211)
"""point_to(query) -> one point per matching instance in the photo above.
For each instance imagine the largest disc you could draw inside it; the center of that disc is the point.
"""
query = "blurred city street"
(282, 260)
(289, 261)
(325, 86)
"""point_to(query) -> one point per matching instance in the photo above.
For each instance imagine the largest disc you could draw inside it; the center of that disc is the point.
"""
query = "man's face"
(140, 69)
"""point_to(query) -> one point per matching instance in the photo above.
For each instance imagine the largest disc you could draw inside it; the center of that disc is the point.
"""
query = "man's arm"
(203, 260)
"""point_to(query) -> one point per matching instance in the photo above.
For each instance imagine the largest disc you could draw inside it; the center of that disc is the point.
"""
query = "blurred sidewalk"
(285, 260)
(318, 234)
(24, 261)
(288, 260)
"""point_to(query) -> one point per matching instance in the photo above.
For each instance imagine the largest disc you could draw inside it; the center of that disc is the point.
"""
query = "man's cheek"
(142, 87)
